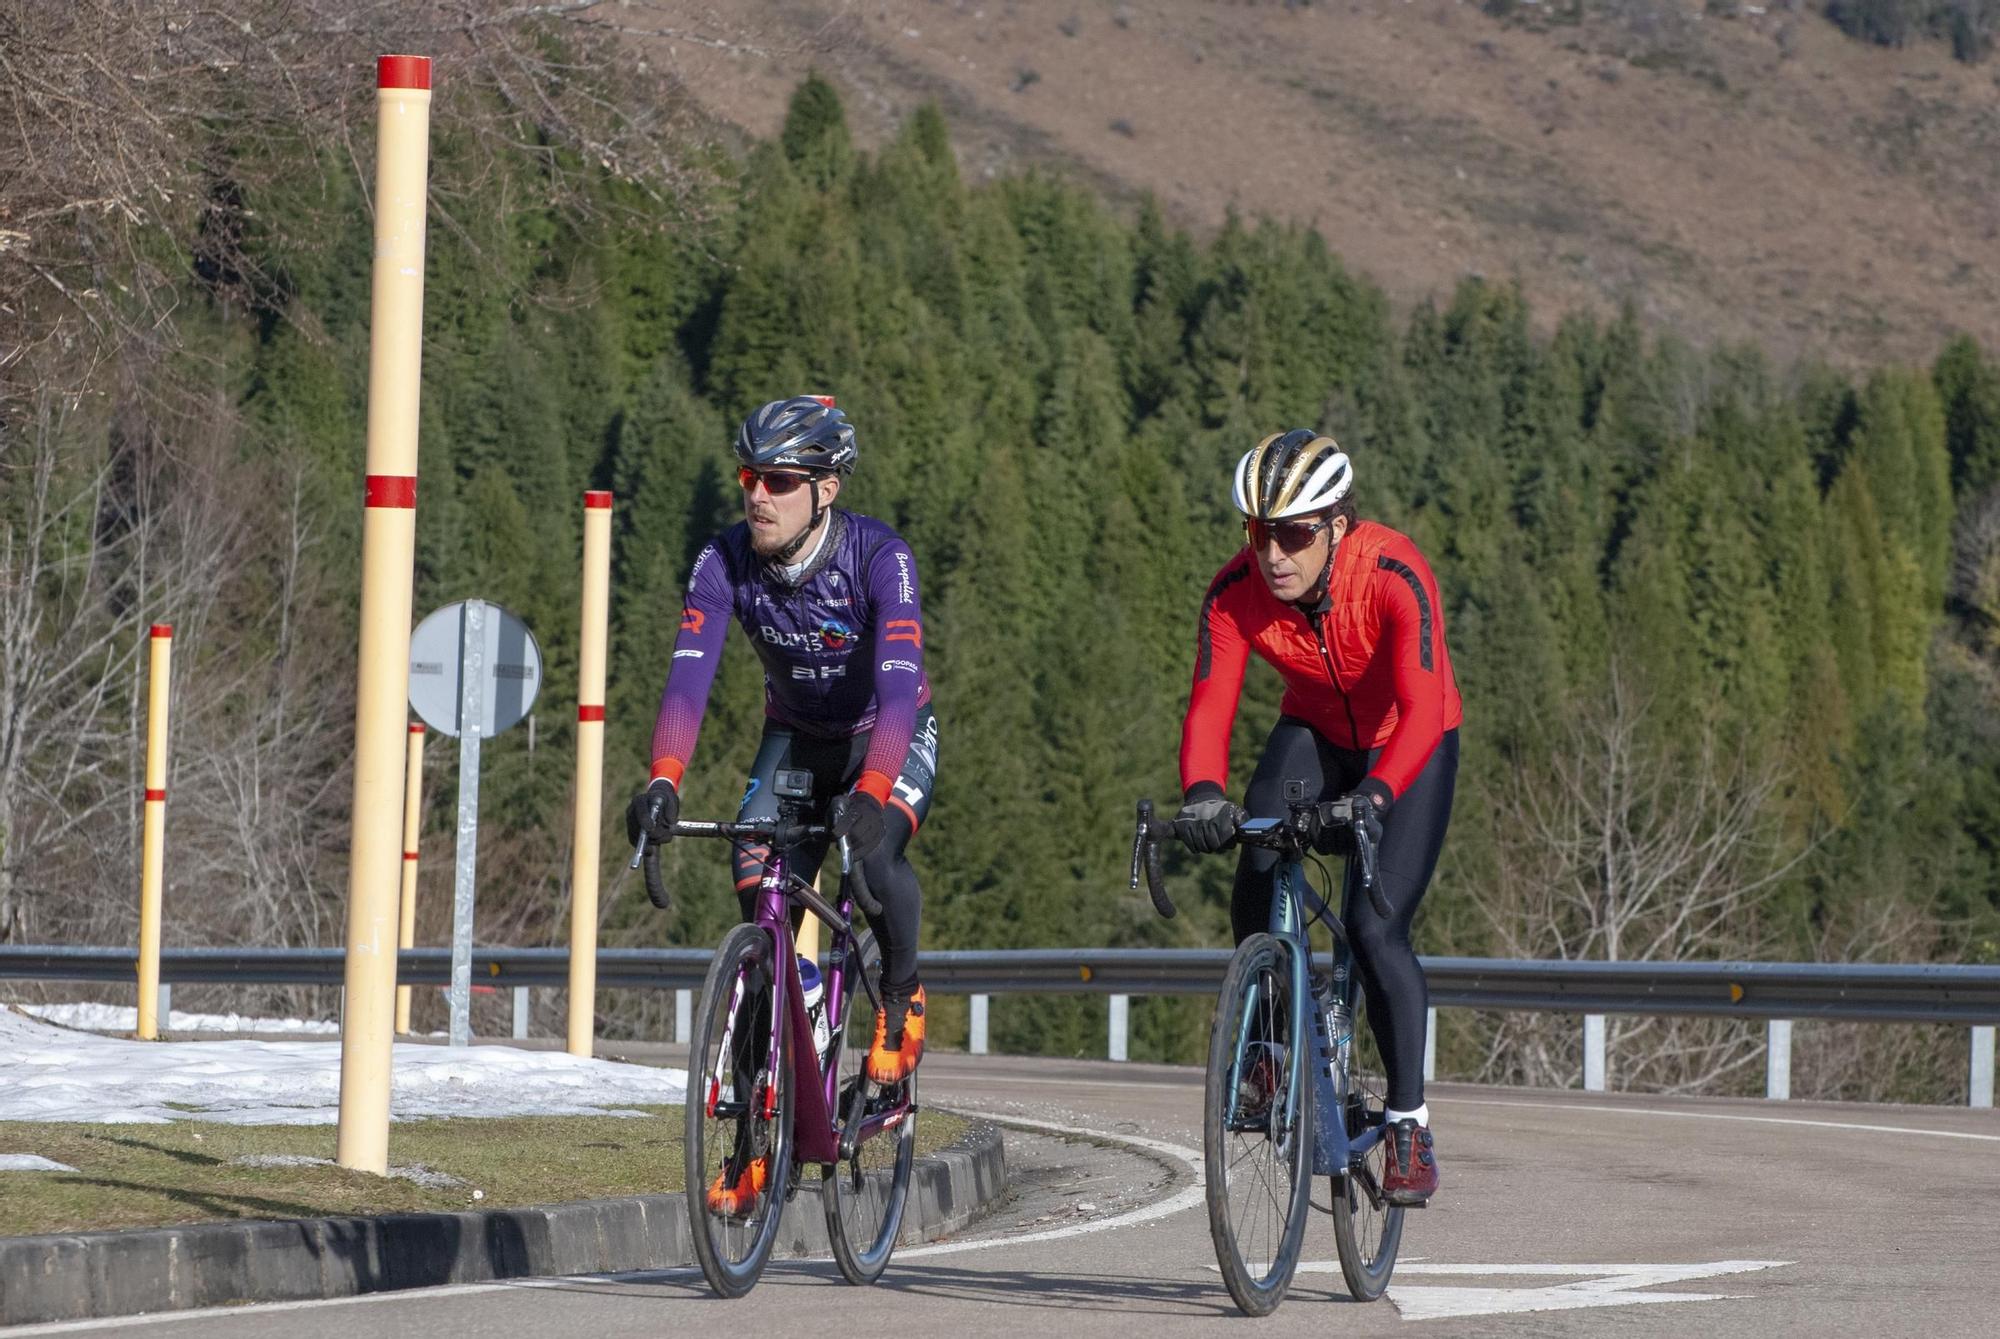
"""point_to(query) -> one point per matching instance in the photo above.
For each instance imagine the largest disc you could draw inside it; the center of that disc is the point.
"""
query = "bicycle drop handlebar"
(1290, 836)
(779, 836)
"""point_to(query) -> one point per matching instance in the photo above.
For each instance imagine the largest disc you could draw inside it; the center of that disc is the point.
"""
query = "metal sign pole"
(471, 719)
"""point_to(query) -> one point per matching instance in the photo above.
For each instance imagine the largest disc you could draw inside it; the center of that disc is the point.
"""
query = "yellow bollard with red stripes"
(406, 917)
(388, 550)
(153, 854)
(589, 819)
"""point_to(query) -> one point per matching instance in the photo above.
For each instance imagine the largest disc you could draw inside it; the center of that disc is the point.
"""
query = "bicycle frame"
(815, 1093)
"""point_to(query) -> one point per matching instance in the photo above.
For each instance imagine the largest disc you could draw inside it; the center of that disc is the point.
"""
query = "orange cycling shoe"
(894, 1055)
(738, 1199)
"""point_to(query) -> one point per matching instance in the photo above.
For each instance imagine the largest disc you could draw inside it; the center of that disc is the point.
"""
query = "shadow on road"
(1126, 1295)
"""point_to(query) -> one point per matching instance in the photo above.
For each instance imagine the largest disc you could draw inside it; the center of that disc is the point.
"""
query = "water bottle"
(1339, 1022)
(815, 1002)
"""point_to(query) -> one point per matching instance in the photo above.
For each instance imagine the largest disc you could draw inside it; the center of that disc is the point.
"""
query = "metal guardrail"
(1863, 992)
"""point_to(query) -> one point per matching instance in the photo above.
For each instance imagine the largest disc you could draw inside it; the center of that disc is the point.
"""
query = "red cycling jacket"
(1368, 670)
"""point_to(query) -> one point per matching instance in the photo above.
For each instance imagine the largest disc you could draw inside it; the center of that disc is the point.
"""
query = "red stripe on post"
(590, 713)
(392, 490)
(597, 499)
(152, 795)
(163, 629)
(402, 72)
(417, 729)
(409, 855)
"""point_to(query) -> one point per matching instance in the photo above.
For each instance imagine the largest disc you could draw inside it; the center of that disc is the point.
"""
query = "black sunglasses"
(777, 482)
(1291, 535)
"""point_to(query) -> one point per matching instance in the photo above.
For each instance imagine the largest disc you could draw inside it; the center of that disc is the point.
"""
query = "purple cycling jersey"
(843, 650)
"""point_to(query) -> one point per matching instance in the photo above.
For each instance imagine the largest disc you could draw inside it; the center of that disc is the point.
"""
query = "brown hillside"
(1751, 176)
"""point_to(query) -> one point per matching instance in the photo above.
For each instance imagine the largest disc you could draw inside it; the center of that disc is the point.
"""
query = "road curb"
(84, 1276)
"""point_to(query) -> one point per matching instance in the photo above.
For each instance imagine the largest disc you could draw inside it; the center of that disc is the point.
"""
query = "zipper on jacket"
(1326, 660)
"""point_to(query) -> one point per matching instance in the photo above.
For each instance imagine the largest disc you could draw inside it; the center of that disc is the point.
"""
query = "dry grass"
(194, 1171)
(1754, 176)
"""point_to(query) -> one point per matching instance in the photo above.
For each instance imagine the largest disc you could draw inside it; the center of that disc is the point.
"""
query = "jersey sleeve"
(1222, 652)
(899, 664)
(1407, 603)
(704, 622)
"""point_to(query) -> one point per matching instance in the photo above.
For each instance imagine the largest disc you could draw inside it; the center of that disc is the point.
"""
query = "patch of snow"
(50, 1074)
(125, 1018)
(30, 1162)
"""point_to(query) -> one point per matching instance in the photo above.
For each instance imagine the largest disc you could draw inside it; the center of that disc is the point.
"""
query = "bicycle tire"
(1366, 1230)
(733, 1249)
(864, 1209)
(1258, 1249)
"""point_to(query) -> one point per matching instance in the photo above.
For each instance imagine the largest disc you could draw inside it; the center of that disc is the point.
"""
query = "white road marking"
(1187, 1197)
(1717, 1115)
(1602, 1285)
(269, 1308)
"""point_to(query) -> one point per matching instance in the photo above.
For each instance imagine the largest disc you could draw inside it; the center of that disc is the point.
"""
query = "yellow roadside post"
(388, 548)
(589, 771)
(152, 859)
(413, 812)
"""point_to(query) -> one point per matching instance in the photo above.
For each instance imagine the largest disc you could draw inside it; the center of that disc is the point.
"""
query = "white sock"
(1422, 1115)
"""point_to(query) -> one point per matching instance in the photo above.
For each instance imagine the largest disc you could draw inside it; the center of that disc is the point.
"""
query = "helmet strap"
(785, 555)
(1315, 595)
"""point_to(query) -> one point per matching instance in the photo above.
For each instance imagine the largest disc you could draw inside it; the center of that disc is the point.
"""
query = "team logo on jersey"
(835, 635)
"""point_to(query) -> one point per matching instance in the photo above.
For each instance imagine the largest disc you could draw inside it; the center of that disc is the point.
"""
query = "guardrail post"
(1982, 1066)
(1593, 1053)
(976, 1043)
(1778, 1060)
(520, 1013)
(1430, 1045)
(683, 1016)
(167, 1012)
(1120, 1008)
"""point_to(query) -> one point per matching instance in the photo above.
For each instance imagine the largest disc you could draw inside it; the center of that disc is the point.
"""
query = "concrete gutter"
(95, 1274)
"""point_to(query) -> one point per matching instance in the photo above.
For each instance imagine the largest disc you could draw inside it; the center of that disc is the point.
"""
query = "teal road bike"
(1287, 1097)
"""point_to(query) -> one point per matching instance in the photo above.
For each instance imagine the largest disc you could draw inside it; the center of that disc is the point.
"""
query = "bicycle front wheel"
(1367, 1229)
(864, 1197)
(1257, 1125)
(739, 1126)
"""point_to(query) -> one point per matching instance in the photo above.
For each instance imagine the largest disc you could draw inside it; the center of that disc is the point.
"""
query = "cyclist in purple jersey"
(829, 599)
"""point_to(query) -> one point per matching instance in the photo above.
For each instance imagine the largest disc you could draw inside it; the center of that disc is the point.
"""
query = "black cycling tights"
(834, 764)
(1412, 835)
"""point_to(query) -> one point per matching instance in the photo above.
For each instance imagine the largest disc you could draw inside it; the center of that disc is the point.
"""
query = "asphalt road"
(1560, 1215)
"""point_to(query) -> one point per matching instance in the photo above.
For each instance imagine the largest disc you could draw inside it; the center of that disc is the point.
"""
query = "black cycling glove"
(1207, 821)
(858, 817)
(653, 811)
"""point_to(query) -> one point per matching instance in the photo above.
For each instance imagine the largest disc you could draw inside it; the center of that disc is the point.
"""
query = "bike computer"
(1256, 825)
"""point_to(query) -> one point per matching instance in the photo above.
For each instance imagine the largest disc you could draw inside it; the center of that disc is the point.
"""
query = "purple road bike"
(760, 1090)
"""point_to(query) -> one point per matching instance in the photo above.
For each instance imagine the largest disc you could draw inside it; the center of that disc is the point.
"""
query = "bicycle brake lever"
(1146, 855)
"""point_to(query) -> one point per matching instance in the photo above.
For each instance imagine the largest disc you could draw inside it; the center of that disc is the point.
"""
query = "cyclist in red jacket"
(1348, 613)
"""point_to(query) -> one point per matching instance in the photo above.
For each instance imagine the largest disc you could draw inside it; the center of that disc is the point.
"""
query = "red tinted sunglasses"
(1291, 535)
(777, 482)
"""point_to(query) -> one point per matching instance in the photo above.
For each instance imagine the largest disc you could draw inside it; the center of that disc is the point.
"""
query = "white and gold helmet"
(1296, 473)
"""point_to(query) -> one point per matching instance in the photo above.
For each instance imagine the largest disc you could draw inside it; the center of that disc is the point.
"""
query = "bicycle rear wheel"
(1257, 1130)
(864, 1197)
(1367, 1230)
(734, 1119)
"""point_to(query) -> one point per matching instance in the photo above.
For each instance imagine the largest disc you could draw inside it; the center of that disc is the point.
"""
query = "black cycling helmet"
(806, 432)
